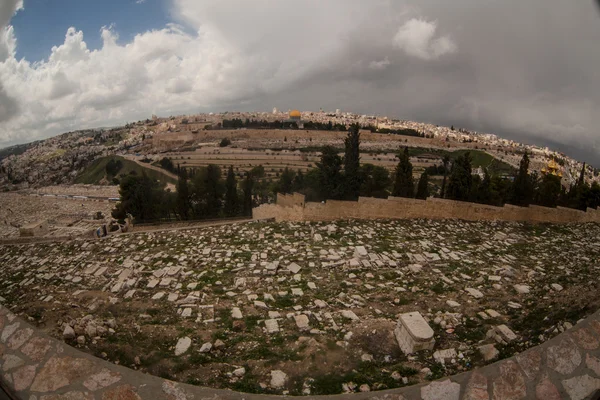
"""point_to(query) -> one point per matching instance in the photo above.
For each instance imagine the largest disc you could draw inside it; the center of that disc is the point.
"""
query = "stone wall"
(34, 366)
(294, 208)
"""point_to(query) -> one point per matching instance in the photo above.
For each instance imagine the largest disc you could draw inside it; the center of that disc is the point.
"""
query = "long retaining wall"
(294, 208)
(34, 366)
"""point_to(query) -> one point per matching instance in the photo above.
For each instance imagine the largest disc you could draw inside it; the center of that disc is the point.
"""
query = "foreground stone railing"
(36, 367)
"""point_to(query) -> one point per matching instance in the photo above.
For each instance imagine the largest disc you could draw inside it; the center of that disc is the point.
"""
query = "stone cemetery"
(309, 308)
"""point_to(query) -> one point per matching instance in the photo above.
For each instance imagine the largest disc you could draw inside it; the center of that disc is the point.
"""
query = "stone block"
(413, 333)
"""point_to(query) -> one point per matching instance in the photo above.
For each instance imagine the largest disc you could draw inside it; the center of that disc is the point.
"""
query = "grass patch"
(96, 171)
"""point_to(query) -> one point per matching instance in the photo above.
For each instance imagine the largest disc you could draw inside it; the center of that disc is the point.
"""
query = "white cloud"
(380, 65)
(417, 38)
(171, 70)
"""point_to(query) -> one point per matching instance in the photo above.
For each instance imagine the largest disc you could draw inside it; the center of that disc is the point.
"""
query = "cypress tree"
(330, 174)
(183, 196)
(404, 185)
(298, 183)
(461, 180)
(422, 186)
(446, 161)
(352, 163)
(523, 186)
(231, 195)
(285, 181)
(248, 185)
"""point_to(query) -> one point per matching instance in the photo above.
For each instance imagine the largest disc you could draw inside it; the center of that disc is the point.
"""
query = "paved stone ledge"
(34, 366)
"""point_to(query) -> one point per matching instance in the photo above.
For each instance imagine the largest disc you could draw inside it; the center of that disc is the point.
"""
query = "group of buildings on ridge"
(511, 151)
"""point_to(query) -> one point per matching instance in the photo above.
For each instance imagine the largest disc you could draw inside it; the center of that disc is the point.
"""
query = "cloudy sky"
(527, 70)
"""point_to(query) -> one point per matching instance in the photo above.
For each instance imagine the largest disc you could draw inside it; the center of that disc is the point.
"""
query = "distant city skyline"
(524, 71)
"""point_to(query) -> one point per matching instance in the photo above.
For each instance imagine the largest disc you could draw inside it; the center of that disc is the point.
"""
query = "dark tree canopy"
(423, 187)
(285, 184)
(351, 183)
(523, 186)
(247, 187)
(231, 195)
(142, 197)
(183, 202)
(330, 174)
(404, 185)
(461, 180)
(375, 181)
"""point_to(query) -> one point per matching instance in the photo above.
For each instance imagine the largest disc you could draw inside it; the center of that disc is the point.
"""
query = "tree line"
(203, 193)
(238, 123)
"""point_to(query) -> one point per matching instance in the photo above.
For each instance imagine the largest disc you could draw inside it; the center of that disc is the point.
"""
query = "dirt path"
(137, 159)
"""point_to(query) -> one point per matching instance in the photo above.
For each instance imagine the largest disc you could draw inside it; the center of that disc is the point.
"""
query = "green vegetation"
(366, 372)
(97, 171)
(404, 185)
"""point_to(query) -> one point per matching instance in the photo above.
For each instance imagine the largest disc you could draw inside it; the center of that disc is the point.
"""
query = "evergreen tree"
(446, 161)
(298, 183)
(142, 197)
(248, 185)
(330, 174)
(403, 181)
(183, 204)
(285, 181)
(231, 195)
(523, 185)
(423, 186)
(484, 195)
(374, 181)
(207, 193)
(548, 191)
(594, 196)
(461, 180)
(351, 187)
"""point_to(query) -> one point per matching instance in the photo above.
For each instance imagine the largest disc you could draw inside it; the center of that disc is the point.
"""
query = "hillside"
(96, 172)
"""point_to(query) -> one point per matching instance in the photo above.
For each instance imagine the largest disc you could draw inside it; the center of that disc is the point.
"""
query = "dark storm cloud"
(525, 69)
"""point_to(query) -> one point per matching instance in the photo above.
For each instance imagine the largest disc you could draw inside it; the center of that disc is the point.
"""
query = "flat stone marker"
(474, 292)
(452, 303)
(236, 313)
(360, 252)
(505, 333)
(158, 296)
(413, 333)
(521, 289)
(294, 268)
(272, 326)
(183, 344)
(349, 315)
(556, 287)
(301, 321)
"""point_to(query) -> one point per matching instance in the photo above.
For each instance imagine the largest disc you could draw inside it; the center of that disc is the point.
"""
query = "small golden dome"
(295, 114)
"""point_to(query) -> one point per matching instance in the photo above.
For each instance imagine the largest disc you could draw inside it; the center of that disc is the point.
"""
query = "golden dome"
(552, 168)
(295, 114)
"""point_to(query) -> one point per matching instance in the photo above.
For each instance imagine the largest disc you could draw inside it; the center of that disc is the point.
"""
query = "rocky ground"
(307, 307)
